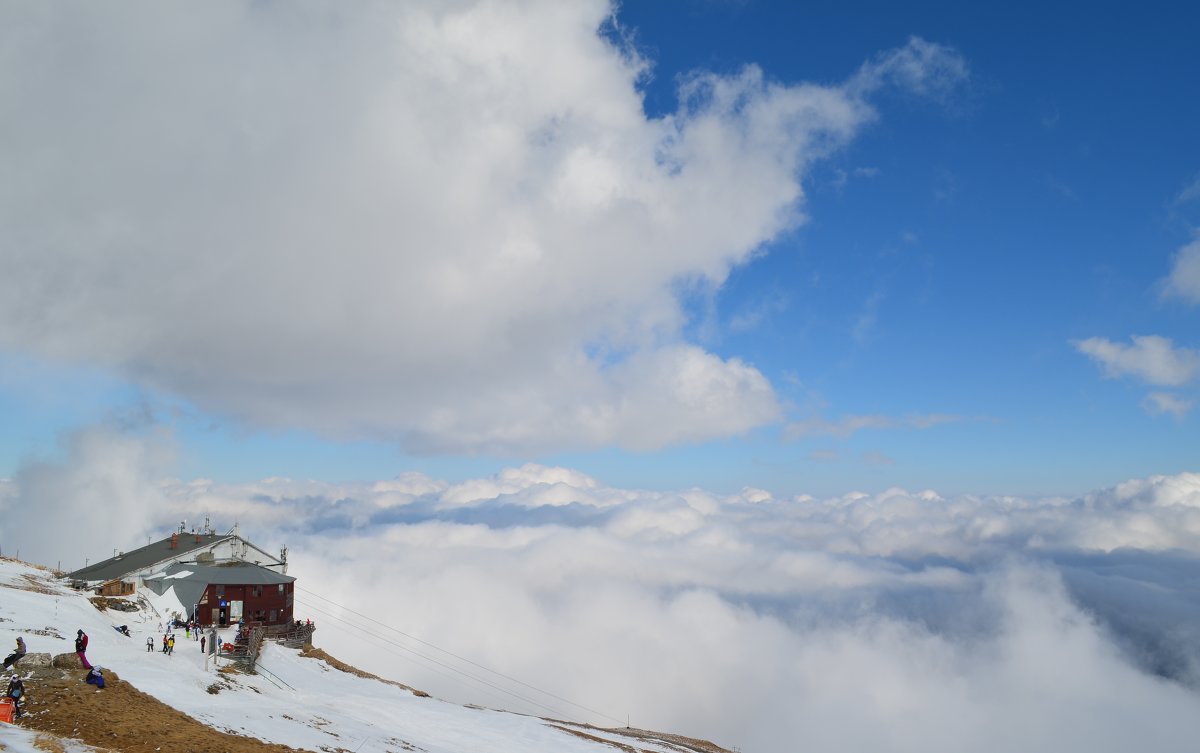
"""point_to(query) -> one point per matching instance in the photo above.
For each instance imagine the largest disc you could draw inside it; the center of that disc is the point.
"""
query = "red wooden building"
(227, 594)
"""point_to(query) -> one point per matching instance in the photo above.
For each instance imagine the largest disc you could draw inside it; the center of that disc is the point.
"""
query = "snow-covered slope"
(295, 700)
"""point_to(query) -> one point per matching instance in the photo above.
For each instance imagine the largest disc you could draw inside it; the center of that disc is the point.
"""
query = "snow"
(16, 740)
(295, 700)
(166, 605)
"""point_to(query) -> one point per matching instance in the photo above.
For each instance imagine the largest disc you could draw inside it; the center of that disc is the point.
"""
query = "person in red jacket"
(81, 641)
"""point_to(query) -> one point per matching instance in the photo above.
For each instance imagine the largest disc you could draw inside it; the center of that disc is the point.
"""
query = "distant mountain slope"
(178, 704)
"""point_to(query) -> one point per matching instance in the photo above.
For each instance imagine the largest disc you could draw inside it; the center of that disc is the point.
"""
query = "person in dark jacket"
(15, 656)
(81, 643)
(16, 691)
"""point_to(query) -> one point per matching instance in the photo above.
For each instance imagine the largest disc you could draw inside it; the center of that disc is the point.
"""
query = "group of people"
(15, 692)
(95, 675)
(192, 631)
(16, 688)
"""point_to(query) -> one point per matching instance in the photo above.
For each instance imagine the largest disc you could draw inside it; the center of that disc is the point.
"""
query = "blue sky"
(918, 320)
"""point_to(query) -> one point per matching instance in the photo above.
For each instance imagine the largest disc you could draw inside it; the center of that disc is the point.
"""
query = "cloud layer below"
(899, 620)
(447, 224)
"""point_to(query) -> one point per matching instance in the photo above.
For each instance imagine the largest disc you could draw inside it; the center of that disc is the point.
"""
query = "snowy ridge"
(296, 701)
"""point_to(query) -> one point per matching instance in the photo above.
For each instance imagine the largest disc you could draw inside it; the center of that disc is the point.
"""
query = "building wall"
(223, 604)
(116, 588)
(225, 550)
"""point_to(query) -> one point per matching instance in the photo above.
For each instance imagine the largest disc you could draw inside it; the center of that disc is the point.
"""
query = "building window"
(280, 588)
(220, 591)
(273, 614)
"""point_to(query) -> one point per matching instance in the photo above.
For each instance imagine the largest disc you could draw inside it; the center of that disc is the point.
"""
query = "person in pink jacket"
(81, 641)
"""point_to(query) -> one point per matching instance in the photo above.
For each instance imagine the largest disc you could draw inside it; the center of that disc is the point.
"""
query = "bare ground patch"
(121, 718)
(316, 653)
(684, 744)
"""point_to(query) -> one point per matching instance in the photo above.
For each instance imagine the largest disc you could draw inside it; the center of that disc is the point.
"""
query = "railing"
(293, 635)
(248, 645)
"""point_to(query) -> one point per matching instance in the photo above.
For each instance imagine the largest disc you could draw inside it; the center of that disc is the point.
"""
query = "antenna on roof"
(183, 526)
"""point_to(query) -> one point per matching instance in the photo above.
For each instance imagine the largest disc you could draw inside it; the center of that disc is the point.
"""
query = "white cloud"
(1184, 281)
(82, 504)
(1151, 358)
(447, 224)
(923, 67)
(1165, 402)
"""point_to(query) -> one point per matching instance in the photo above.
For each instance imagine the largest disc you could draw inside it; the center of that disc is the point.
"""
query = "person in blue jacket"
(95, 677)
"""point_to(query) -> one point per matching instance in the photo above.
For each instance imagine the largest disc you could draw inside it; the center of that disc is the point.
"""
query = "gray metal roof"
(189, 581)
(146, 557)
(241, 574)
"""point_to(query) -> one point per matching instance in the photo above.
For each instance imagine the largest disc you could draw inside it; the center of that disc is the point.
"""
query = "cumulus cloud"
(934, 623)
(1151, 358)
(1183, 282)
(446, 224)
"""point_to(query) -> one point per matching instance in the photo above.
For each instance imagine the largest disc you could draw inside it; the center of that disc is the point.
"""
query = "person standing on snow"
(81, 642)
(202, 644)
(16, 691)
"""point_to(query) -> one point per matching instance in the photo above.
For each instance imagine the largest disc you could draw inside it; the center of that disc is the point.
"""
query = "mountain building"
(220, 579)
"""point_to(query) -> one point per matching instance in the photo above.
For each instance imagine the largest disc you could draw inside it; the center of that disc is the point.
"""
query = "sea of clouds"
(897, 620)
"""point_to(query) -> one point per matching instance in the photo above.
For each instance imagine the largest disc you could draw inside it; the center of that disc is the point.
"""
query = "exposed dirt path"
(122, 718)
